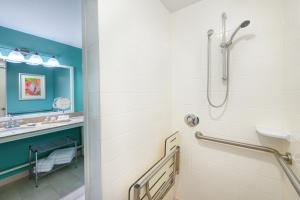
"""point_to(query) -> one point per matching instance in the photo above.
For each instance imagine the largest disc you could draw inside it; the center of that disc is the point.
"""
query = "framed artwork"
(32, 87)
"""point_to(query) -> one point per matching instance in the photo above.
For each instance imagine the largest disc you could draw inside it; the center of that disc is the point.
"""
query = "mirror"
(31, 89)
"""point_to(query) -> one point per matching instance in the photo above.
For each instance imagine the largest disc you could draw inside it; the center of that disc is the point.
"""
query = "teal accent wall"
(17, 106)
(57, 85)
(61, 80)
(67, 55)
(16, 153)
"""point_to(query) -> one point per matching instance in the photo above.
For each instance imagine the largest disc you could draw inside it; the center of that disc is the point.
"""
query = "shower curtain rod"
(282, 159)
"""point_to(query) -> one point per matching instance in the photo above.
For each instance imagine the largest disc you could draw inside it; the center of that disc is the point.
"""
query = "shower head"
(244, 24)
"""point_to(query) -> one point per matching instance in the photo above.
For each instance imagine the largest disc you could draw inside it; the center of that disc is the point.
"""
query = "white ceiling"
(175, 5)
(58, 20)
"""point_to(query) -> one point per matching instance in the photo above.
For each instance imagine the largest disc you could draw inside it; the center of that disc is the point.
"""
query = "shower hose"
(226, 62)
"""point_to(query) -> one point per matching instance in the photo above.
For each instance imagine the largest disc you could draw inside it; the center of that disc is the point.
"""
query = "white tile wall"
(291, 90)
(153, 72)
(258, 96)
(135, 90)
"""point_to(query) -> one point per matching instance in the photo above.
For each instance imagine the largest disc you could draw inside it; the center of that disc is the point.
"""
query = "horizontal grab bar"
(281, 159)
(287, 157)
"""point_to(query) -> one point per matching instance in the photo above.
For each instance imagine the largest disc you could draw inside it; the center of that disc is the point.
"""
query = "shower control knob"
(191, 120)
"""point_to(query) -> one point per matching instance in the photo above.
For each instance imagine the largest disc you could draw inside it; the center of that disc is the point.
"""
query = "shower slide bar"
(282, 159)
(160, 178)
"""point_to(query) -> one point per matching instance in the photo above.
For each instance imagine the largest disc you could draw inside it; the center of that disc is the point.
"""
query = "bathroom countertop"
(40, 129)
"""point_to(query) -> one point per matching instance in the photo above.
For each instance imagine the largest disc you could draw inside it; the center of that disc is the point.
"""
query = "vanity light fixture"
(35, 59)
(15, 56)
(52, 62)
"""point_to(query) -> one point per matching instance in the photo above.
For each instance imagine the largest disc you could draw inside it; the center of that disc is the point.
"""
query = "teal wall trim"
(17, 106)
(16, 153)
(67, 55)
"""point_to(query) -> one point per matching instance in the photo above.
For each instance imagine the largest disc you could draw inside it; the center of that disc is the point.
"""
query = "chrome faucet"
(11, 123)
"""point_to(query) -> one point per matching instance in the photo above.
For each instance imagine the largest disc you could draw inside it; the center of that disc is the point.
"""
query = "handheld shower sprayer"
(225, 52)
(227, 44)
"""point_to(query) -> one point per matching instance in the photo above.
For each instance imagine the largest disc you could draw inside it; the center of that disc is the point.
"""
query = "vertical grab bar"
(224, 50)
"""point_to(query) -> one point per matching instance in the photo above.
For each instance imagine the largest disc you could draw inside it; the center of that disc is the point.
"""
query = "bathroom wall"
(135, 82)
(61, 80)
(14, 105)
(136, 90)
(57, 85)
(291, 90)
(67, 55)
(214, 171)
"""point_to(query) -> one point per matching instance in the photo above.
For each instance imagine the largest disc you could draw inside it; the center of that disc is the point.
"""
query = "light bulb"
(52, 62)
(15, 56)
(35, 59)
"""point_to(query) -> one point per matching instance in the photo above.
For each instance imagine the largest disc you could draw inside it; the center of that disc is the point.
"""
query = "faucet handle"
(9, 116)
(20, 121)
(17, 123)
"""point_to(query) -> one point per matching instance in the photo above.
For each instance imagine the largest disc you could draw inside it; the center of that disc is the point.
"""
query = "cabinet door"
(2, 90)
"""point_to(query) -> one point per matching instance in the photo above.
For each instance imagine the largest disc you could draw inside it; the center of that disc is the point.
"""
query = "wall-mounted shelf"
(273, 133)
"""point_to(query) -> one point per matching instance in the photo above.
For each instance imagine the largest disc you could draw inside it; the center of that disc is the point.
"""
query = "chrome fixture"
(161, 177)
(225, 46)
(210, 32)
(52, 62)
(224, 50)
(15, 56)
(282, 159)
(20, 55)
(35, 59)
(165, 187)
(11, 123)
(191, 120)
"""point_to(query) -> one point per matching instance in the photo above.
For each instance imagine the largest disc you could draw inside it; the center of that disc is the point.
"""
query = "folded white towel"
(44, 165)
(63, 156)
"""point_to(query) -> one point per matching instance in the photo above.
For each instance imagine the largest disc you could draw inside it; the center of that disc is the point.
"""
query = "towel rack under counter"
(283, 159)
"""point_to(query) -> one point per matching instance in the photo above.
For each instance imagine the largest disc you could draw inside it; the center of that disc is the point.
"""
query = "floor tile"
(51, 187)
